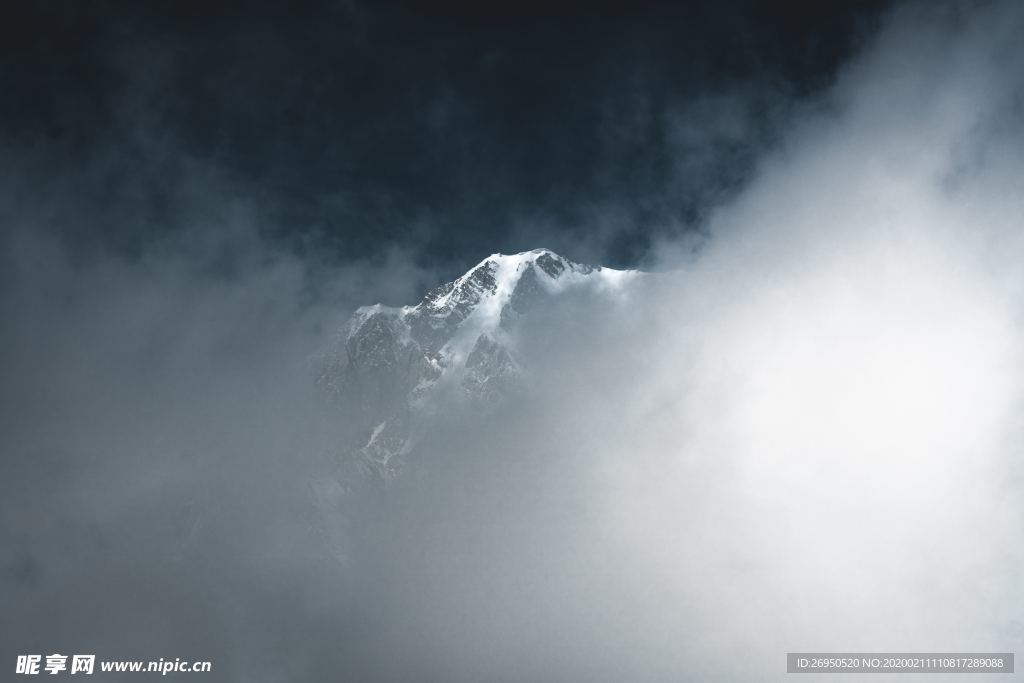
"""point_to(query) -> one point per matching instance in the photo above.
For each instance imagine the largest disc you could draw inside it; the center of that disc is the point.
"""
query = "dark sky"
(448, 130)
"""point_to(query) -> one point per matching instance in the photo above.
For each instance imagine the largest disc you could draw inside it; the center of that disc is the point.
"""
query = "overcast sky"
(453, 130)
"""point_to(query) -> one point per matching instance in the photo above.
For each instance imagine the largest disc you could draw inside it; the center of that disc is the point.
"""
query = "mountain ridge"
(393, 364)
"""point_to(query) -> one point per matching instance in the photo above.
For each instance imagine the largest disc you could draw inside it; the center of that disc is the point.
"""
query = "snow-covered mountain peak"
(460, 339)
(494, 281)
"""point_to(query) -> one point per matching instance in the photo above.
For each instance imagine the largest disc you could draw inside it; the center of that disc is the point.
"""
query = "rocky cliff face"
(392, 366)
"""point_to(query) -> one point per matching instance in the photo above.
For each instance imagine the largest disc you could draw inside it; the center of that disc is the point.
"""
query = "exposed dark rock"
(390, 362)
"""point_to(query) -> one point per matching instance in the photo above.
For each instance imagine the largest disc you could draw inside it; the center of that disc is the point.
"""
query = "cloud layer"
(801, 435)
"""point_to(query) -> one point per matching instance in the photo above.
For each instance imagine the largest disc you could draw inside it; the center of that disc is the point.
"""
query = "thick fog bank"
(803, 435)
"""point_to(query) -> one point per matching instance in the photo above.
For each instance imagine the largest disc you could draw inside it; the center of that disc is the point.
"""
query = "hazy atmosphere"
(792, 424)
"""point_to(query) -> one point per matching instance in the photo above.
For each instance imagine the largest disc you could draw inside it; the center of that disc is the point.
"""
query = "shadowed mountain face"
(394, 367)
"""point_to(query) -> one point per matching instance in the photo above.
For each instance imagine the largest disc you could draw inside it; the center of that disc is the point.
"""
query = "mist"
(801, 432)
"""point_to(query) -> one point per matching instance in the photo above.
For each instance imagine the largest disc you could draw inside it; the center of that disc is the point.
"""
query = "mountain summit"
(392, 364)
